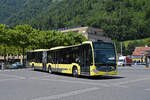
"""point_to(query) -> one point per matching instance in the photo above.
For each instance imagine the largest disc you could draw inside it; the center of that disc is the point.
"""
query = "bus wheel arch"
(75, 71)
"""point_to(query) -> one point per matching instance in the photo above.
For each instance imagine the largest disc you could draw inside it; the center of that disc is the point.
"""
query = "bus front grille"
(105, 68)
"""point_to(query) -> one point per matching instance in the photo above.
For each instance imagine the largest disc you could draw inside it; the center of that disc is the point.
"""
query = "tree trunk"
(5, 55)
(4, 64)
(23, 57)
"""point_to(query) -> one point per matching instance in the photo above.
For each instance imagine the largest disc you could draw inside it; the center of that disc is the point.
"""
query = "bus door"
(56, 61)
(85, 62)
(44, 60)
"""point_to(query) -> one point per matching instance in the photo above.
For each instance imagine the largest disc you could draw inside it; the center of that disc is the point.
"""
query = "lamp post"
(121, 49)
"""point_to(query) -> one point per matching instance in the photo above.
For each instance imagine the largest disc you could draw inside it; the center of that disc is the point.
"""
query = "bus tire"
(50, 70)
(75, 72)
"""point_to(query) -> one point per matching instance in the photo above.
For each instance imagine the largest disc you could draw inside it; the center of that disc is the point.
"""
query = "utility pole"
(121, 48)
(119, 16)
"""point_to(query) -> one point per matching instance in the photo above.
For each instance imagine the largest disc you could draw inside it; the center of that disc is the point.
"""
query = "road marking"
(13, 70)
(77, 92)
(9, 79)
(79, 82)
(9, 70)
(14, 76)
(120, 86)
(131, 81)
(147, 89)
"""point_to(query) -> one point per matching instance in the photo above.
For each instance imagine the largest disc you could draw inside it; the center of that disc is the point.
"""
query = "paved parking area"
(26, 84)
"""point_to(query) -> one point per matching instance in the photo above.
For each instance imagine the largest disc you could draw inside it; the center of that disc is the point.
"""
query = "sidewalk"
(134, 67)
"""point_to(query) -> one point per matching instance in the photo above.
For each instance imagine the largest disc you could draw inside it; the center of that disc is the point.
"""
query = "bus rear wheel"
(75, 72)
(50, 70)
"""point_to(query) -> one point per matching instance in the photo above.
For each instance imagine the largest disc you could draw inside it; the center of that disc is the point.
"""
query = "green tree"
(4, 38)
(72, 38)
(130, 48)
(19, 36)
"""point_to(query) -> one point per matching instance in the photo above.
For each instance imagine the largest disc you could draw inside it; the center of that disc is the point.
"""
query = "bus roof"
(38, 50)
(87, 42)
(61, 47)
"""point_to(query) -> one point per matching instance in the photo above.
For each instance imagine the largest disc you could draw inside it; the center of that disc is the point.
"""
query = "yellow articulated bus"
(88, 59)
(37, 59)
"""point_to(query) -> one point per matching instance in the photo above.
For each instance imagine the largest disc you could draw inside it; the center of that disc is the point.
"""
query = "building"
(138, 54)
(140, 51)
(92, 34)
(147, 58)
(11, 58)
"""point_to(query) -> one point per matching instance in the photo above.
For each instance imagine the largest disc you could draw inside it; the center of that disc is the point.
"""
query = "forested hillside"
(13, 12)
(9, 7)
(120, 19)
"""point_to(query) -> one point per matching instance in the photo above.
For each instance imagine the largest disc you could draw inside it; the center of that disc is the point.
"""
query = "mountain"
(120, 19)
(9, 7)
(14, 12)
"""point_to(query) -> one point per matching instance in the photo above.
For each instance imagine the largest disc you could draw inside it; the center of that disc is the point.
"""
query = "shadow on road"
(87, 77)
(103, 77)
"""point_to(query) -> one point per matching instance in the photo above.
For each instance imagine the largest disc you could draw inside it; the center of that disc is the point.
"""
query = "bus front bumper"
(94, 72)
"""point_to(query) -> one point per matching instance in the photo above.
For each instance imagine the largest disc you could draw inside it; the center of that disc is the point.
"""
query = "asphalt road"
(26, 84)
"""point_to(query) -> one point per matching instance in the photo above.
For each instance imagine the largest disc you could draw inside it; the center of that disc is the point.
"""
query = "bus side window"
(49, 59)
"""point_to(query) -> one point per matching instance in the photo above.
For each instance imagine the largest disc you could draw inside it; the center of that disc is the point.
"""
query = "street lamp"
(121, 49)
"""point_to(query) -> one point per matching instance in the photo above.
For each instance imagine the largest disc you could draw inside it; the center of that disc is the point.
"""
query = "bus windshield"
(104, 53)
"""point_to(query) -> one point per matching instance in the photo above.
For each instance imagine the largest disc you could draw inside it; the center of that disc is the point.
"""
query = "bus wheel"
(50, 70)
(75, 72)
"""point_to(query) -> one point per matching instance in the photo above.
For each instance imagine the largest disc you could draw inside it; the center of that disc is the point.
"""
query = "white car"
(121, 61)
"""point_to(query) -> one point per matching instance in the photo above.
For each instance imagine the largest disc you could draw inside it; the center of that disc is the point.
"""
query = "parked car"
(123, 61)
(17, 65)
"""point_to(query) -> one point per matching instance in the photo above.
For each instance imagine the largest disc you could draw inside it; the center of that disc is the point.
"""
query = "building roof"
(140, 51)
(91, 33)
